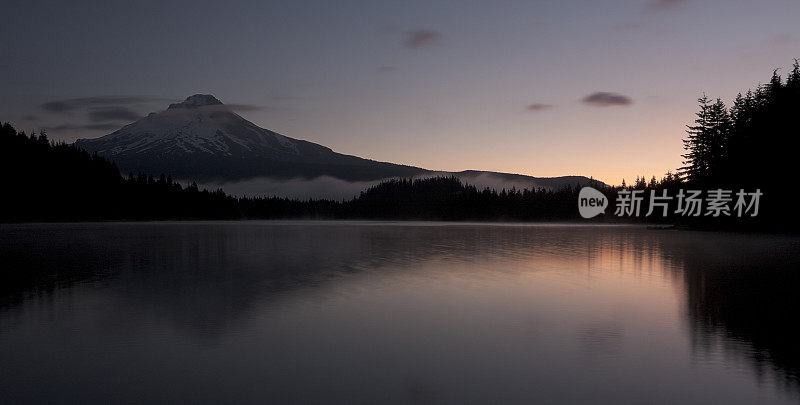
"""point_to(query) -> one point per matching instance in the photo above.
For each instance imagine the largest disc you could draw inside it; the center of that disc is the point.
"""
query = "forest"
(749, 145)
(58, 182)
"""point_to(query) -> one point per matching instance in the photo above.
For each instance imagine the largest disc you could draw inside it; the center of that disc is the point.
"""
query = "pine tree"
(696, 144)
(793, 80)
(719, 129)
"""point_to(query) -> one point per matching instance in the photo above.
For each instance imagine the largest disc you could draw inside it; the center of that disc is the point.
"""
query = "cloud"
(63, 106)
(389, 29)
(422, 38)
(104, 127)
(30, 118)
(337, 189)
(782, 39)
(246, 107)
(320, 187)
(664, 5)
(286, 97)
(104, 113)
(108, 113)
(386, 69)
(606, 99)
(91, 127)
(627, 26)
(535, 107)
(115, 113)
(57, 106)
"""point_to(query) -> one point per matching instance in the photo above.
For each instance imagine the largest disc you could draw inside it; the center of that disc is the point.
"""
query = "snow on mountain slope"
(201, 124)
(203, 138)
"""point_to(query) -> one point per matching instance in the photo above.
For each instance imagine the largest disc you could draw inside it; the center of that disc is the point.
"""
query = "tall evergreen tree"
(696, 144)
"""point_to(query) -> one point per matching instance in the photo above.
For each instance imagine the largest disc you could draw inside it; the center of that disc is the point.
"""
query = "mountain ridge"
(202, 139)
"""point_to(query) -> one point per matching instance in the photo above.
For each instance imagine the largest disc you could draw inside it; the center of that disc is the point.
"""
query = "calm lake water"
(349, 312)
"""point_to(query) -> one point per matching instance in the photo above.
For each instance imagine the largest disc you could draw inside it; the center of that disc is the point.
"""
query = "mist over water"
(323, 187)
(327, 187)
(342, 312)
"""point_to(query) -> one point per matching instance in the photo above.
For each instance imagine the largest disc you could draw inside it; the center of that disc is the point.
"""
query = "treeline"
(750, 145)
(49, 181)
(436, 198)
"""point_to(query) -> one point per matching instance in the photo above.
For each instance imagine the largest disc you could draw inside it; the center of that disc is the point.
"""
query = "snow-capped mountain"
(201, 138)
(204, 140)
(201, 124)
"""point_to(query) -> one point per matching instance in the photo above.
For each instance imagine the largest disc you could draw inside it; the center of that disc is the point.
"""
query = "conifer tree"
(696, 144)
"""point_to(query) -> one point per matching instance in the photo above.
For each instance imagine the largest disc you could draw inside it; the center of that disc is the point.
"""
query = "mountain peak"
(197, 100)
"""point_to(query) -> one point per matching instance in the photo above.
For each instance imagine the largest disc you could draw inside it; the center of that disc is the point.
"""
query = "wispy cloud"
(103, 113)
(664, 5)
(281, 96)
(781, 39)
(92, 127)
(62, 106)
(536, 107)
(607, 99)
(626, 26)
(107, 113)
(115, 113)
(246, 107)
(422, 38)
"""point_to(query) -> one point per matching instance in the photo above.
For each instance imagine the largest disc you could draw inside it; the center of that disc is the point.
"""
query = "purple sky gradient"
(444, 85)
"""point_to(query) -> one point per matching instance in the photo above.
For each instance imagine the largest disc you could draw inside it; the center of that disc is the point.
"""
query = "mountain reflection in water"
(396, 312)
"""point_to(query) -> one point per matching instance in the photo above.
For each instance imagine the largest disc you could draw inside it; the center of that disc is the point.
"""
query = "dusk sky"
(545, 88)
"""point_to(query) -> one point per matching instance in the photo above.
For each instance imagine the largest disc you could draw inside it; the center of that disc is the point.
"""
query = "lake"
(387, 312)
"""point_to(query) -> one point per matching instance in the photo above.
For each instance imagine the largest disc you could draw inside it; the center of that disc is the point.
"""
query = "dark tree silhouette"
(58, 182)
(751, 145)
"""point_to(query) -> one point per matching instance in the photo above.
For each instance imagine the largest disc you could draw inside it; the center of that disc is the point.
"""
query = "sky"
(544, 88)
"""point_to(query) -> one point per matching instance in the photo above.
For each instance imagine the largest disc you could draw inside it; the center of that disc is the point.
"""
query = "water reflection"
(742, 302)
(538, 305)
